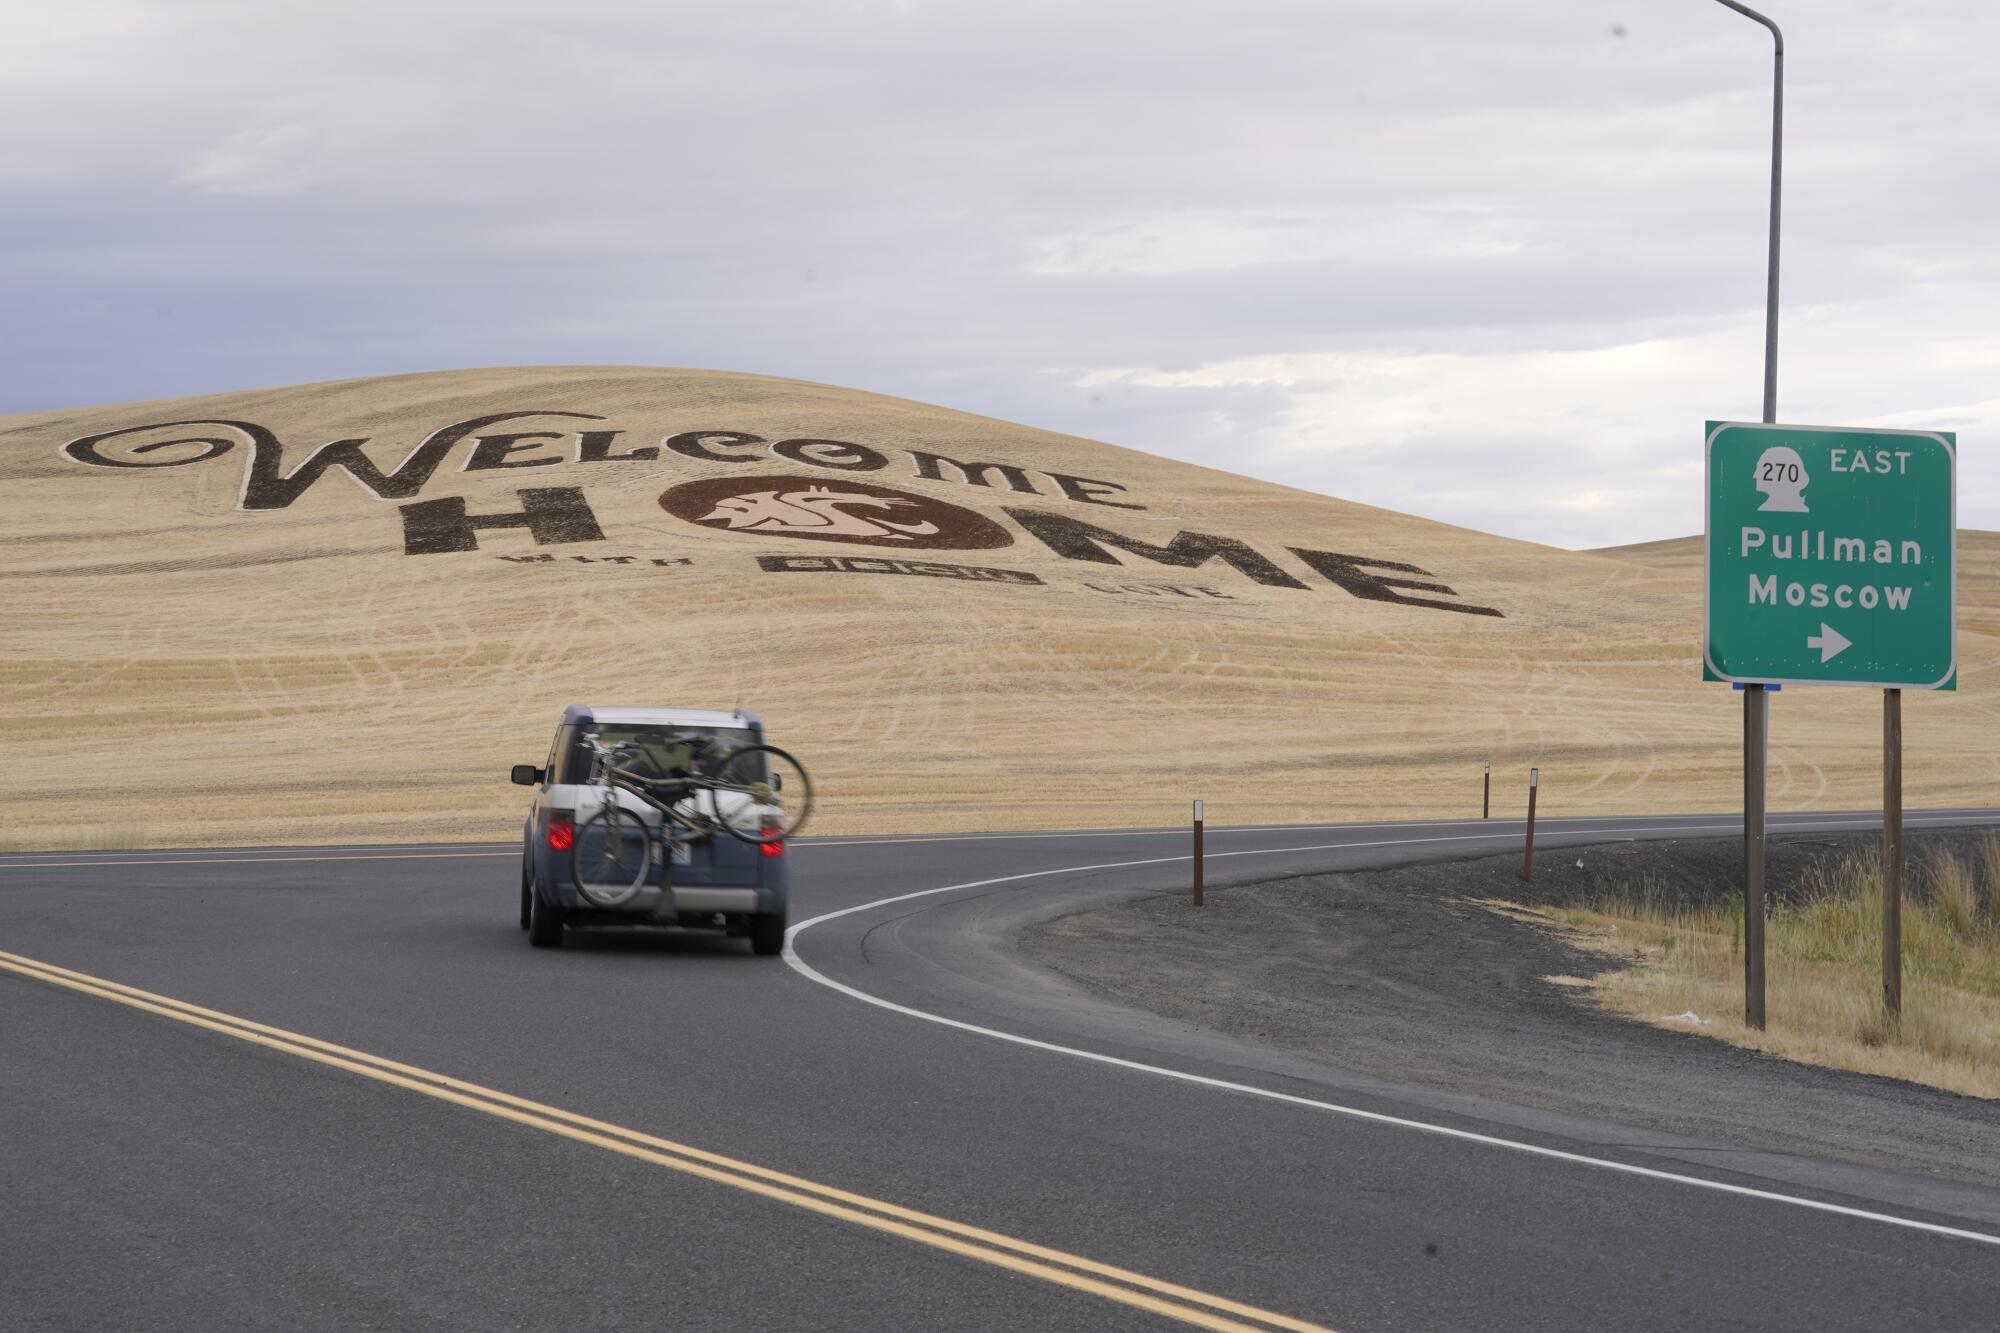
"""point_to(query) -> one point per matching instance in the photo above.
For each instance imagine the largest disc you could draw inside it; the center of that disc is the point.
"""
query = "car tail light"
(772, 848)
(562, 831)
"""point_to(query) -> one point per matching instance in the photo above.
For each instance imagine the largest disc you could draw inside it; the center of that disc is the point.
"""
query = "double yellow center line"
(1169, 1300)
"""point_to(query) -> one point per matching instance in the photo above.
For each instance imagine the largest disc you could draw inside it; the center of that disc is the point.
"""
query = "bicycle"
(756, 794)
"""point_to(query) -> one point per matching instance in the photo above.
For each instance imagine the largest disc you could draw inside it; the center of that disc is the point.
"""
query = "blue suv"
(715, 883)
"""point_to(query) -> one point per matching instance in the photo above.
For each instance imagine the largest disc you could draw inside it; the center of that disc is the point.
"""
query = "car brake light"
(562, 832)
(773, 848)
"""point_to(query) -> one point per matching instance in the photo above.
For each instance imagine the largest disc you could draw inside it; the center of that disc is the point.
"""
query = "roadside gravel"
(1395, 974)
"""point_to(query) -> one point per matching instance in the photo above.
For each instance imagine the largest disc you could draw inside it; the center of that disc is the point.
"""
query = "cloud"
(263, 161)
(1492, 265)
(1590, 446)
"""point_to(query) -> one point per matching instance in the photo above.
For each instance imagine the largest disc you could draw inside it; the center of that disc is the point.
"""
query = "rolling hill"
(339, 611)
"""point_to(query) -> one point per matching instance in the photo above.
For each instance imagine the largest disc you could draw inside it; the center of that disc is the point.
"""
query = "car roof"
(680, 717)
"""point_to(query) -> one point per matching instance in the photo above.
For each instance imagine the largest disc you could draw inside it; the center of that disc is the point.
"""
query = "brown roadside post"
(1486, 795)
(1528, 863)
(1197, 853)
(1892, 854)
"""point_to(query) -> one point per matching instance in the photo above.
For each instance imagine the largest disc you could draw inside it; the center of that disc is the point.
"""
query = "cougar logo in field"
(859, 512)
(820, 511)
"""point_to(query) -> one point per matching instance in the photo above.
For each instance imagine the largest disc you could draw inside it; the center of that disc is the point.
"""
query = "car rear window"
(662, 747)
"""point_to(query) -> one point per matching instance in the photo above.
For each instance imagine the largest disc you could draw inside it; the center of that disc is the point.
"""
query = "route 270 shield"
(1831, 556)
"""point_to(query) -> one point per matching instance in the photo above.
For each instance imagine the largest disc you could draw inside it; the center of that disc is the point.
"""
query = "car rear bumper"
(695, 898)
(688, 898)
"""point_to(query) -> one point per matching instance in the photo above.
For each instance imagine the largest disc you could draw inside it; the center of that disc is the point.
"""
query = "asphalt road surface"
(335, 1088)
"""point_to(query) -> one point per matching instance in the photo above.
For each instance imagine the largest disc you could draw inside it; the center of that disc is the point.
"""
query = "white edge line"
(806, 970)
(260, 860)
(1499, 827)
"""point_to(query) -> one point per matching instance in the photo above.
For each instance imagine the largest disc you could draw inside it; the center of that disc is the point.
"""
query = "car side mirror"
(526, 775)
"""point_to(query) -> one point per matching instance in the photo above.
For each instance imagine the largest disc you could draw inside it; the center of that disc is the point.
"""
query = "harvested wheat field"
(290, 615)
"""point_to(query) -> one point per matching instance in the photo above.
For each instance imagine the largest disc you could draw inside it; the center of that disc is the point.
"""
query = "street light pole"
(1756, 699)
(1777, 175)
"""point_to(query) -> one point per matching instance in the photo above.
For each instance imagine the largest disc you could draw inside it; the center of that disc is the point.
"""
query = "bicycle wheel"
(760, 794)
(611, 857)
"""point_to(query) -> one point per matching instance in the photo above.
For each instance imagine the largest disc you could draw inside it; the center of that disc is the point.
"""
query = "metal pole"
(1777, 176)
(1756, 757)
(1528, 861)
(1892, 854)
(1756, 715)
(1486, 795)
(1197, 853)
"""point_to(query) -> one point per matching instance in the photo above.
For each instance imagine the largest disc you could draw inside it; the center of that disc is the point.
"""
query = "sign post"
(1892, 854)
(1831, 560)
(1486, 793)
(1756, 766)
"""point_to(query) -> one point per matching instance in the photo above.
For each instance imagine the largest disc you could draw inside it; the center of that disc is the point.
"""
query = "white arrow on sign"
(1830, 642)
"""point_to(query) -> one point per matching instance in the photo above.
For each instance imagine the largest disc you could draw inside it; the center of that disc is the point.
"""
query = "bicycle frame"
(704, 803)
(680, 788)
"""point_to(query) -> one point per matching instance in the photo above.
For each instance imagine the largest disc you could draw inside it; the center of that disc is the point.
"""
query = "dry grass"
(111, 835)
(290, 676)
(1823, 968)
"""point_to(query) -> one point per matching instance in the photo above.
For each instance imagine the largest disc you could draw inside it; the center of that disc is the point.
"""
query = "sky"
(1493, 264)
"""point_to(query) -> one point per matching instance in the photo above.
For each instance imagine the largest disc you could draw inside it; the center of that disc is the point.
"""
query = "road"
(902, 1125)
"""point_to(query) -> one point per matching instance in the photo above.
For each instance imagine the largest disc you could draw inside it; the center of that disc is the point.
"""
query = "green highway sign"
(1832, 556)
